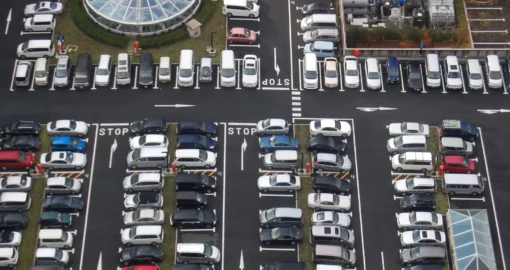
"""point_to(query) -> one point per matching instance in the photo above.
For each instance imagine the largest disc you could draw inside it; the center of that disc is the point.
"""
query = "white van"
(413, 161)
(316, 21)
(123, 69)
(494, 73)
(310, 71)
(228, 69)
(452, 72)
(372, 74)
(23, 75)
(36, 48)
(186, 68)
(432, 72)
(55, 238)
(165, 69)
(40, 23)
(41, 71)
(241, 8)
(474, 74)
(104, 68)
(459, 183)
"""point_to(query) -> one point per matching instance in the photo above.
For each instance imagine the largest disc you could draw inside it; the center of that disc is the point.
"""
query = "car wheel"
(11, 265)
(153, 262)
(250, 42)
(230, 41)
(268, 243)
(27, 168)
(155, 190)
(294, 226)
(185, 262)
(125, 263)
(320, 134)
(344, 135)
(50, 168)
(207, 166)
(320, 169)
(209, 226)
(79, 168)
(424, 170)
(50, 193)
(265, 190)
(317, 209)
(262, 134)
(270, 167)
(405, 229)
(399, 169)
(154, 243)
(130, 191)
(129, 244)
(209, 190)
(43, 246)
(266, 150)
(403, 194)
(74, 192)
(293, 167)
(23, 57)
(47, 30)
(211, 263)
(452, 193)
(229, 14)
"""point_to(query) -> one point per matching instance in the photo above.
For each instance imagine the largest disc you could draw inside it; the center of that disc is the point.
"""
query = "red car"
(458, 164)
(141, 267)
(10, 159)
(241, 34)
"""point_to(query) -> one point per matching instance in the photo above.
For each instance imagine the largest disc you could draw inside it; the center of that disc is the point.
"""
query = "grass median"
(433, 147)
(29, 235)
(302, 132)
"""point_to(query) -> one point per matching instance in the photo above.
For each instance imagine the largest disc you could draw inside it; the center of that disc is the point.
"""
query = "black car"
(22, 143)
(148, 126)
(193, 218)
(195, 141)
(414, 78)
(63, 204)
(13, 221)
(331, 184)
(316, 8)
(194, 182)
(208, 129)
(21, 128)
(424, 267)
(284, 266)
(325, 144)
(280, 235)
(192, 267)
(53, 219)
(418, 202)
(141, 254)
(190, 199)
(146, 73)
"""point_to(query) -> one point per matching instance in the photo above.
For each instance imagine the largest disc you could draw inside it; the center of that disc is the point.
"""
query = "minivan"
(281, 159)
(123, 69)
(165, 69)
(281, 217)
(474, 74)
(53, 219)
(40, 23)
(206, 70)
(15, 201)
(310, 71)
(392, 70)
(83, 71)
(194, 158)
(186, 68)
(143, 182)
(452, 72)
(12, 159)
(197, 253)
(406, 143)
(145, 74)
(423, 255)
(55, 238)
(198, 182)
(62, 75)
(413, 161)
(41, 71)
(331, 235)
(156, 157)
(372, 74)
(322, 34)
(190, 200)
(228, 69)
(320, 48)
(458, 128)
(456, 146)
(432, 70)
(8, 256)
(240, 8)
(23, 73)
(457, 183)
(51, 256)
(494, 72)
(143, 235)
(36, 48)
(317, 21)
(334, 255)
(103, 71)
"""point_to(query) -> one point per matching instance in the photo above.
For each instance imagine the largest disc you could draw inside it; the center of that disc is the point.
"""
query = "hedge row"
(357, 34)
(90, 28)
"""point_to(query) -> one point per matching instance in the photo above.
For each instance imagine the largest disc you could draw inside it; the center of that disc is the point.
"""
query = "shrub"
(354, 35)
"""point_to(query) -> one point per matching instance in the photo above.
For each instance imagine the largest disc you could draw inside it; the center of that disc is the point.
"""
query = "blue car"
(278, 142)
(195, 141)
(67, 143)
(392, 70)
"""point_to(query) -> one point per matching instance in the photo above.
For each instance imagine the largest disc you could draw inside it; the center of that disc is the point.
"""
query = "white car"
(333, 128)
(330, 72)
(351, 72)
(143, 200)
(422, 238)
(143, 235)
(331, 218)
(63, 160)
(420, 220)
(9, 256)
(10, 239)
(63, 185)
(328, 201)
(279, 182)
(44, 7)
(149, 140)
(408, 128)
(272, 126)
(16, 183)
(372, 73)
(144, 217)
(67, 128)
(250, 71)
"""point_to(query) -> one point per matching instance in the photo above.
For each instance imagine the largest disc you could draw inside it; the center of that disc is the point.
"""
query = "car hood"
(210, 217)
(263, 182)
(407, 238)
(79, 159)
(216, 254)
(61, 80)
(102, 78)
(400, 185)
(134, 143)
(265, 234)
(308, 48)
(128, 218)
(374, 82)
(476, 83)
(345, 127)
(351, 79)
(403, 219)
(76, 203)
(259, 126)
(211, 144)
(347, 165)
(128, 201)
(454, 82)
(65, 218)
(125, 235)
(343, 220)
(42, 159)
(267, 159)
(125, 254)
(395, 129)
(17, 238)
(307, 37)
(262, 217)
(6, 128)
(135, 126)
(81, 145)
(415, 83)
(469, 147)
(405, 255)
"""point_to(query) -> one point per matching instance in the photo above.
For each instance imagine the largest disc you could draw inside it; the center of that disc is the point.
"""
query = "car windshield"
(398, 141)
(292, 179)
(415, 253)
(345, 254)
(272, 180)
(314, 33)
(465, 162)
(200, 215)
(331, 73)
(228, 72)
(495, 75)
(134, 179)
(247, 32)
(132, 233)
(69, 182)
(208, 251)
(412, 217)
(205, 179)
(275, 233)
(136, 215)
(249, 5)
(136, 198)
(72, 124)
(22, 156)
(339, 160)
(136, 154)
(266, 123)
(205, 71)
(203, 140)
(24, 46)
(273, 158)
(142, 140)
(344, 233)
(58, 254)
(320, 216)
(401, 159)
(73, 141)
(250, 70)
(434, 218)
(69, 157)
(200, 197)
(373, 76)
(410, 183)
(102, 71)
(392, 72)
(202, 155)
(416, 236)
(465, 146)
(270, 214)
(53, 5)
(185, 72)
(476, 76)
(434, 75)
(454, 75)
(61, 72)
(336, 199)
(412, 200)
(40, 74)
(164, 71)
(351, 72)
(310, 74)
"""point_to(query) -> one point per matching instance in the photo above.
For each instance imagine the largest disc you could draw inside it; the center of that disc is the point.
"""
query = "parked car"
(143, 182)
(392, 70)
(22, 143)
(279, 182)
(280, 235)
(63, 185)
(315, 8)
(351, 72)
(143, 235)
(330, 72)
(13, 221)
(331, 184)
(331, 162)
(278, 142)
(280, 217)
(13, 159)
(422, 238)
(185, 158)
(331, 235)
(44, 7)
(250, 71)
(144, 217)
(241, 35)
(148, 126)
(414, 77)
(144, 199)
(208, 129)
(331, 218)
(10, 238)
(325, 144)
(141, 254)
(16, 183)
(328, 201)
(408, 128)
(195, 141)
(9, 257)
(193, 218)
(418, 202)
(21, 128)
(420, 220)
(458, 164)
(54, 219)
(423, 255)
(461, 129)
(63, 160)
(63, 203)
(415, 185)
(149, 140)
(272, 127)
(67, 128)
(68, 144)
(456, 146)
(334, 128)
(63, 71)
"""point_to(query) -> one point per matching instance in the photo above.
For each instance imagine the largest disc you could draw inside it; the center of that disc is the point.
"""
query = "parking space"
(488, 26)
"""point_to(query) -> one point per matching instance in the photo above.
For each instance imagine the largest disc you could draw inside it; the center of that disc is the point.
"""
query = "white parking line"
(320, 77)
(300, 79)
(491, 43)
(467, 199)
(217, 78)
(296, 109)
(483, 83)
(156, 79)
(402, 79)
(396, 197)
(361, 78)
(198, 230)
(382, 259)
(276, 249)
(245, 19)
(404, 173)
(198, 81)
(34, 33)
(245, 45)
(223, 215)
(295, 93)
(136, 78)
(13, 74)
(487, 20)
(211, 194)
(274, 195)
(382, 79)
(296, 103)
(484, 8)
(72, 87)
(258, 71)
(94, 81)
(176, 78)
(504, 88)
(340, 76)
(424, 91)
(238, 74)
(489, 31)
(296, 98)
(442, 79)
(274, 171)
(53, 80)
(33, 81)
(115, 79)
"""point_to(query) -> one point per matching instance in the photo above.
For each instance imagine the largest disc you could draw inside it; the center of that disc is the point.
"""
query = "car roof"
(283, 178)
(424, 216)
(13, 196)
(51, 233)
(317, 6)
(286, 154)
(154, 122)
(61, 140)
(187, 153)
(149, 196)
(326, 230)
(414, 139)
(190, 248)
(324, 45)
(62, 123)
(149, 177)
(328, 250)
(160, 138)
(277, 122)
(452, 142)
(414, 66)
(153, 151)
(474, 66)
(238, 30)
(326, 197)
(14, 179)
(148, 229)
(454, 159)
(432, 251)
(288, 212)
(206, 61)
(326, 157)
(59, 155)
(418, 155)
(424, 181)
(45, 252)
(183, 195)
(392, 61)
(453, 123)
(328, 179)
(56, 180)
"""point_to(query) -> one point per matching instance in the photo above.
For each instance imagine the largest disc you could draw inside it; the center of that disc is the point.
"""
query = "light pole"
(211, 48)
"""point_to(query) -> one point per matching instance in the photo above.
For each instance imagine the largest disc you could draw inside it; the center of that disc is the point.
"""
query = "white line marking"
(300, 79)
(491, 43)
(242, 124)
(114, 124)
(404, 173)
(274, 195)
(72, 87)
(320, 77)
(396, 197)
(259, 72)
(484, 8)
(245, 45)
(341, 79)
(361, 78)
(88, 197)
(295, 93)
(489, 31)
(115, 79)
(176, 79)
(290, 51)
(401, 79)
(94, 80)
(274, 171)
(467, 199)
(217, 80)
(224, 196)
(276, 249)
(135, 86)
(198, 81)
(245, 19)
(9, 17)
(13, 74)
(33, 33)
(238, 73)
(198, 230)
(296, 109)
(382, 81)
(296, 98)
(156, 79)
(442, 80)
(33, 80)
(276, 88)
(382, 260)
(296, 103)
(424, 91)
(211, 194)
(296, 114)
(486, 20)
(504, 87)
(359, 194)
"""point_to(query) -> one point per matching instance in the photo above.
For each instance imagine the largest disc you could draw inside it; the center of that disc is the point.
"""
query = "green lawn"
(73, 36)
(305, 248)
(302, 132)
(170, 232)
(29, 235)
(433, 142)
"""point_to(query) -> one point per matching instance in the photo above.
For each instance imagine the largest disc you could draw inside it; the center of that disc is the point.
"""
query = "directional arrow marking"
(100, 262)
(112, 150)
(174, 106)
(276, 67)
(243, 149)
(241, 262)
(489, 111)
(373, 109)
(9, 17)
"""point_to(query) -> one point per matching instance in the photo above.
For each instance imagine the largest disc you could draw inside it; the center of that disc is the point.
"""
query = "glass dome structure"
(141, 17)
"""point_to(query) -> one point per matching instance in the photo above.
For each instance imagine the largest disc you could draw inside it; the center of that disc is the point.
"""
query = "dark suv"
(460, 129)
(331, 184)
(196, 218)
(148, 126)
(13, 221)
(284, 266)
(281, 217)
(21, 128)
(414, 77)
(208, 129)
(418, 202)
(194, 182)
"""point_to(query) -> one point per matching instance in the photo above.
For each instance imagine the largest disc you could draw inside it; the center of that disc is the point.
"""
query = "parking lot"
(488, 26)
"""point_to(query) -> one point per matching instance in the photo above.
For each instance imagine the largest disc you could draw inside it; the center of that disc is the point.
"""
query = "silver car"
(16, 183)
(331, 162)
(144, 217)
(143, 181)
(279, 182)
(328, 201)
(67, 128)
(63, 185)
(422, 238)
(63, 160)
(63, 71)
(408, 128)
(144, 199)
(149, 140)
(331, 218)
(44, 7)
(272, 127)
(420, 220)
